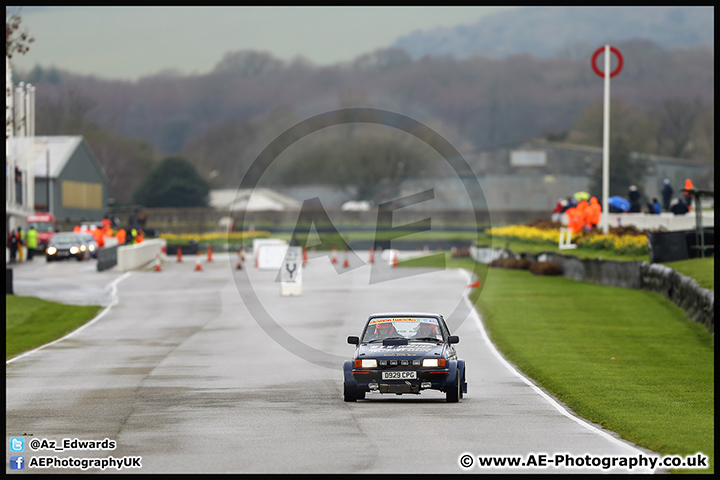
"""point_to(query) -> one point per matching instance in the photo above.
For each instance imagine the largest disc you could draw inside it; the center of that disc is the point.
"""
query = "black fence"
(680, 245)
(107, 258)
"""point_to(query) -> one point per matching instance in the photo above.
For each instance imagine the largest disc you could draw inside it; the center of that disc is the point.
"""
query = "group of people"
(17, 240)
(679, 206)
(585, 213)
(124, 235)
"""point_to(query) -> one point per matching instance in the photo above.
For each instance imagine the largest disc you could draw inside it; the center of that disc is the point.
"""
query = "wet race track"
(213, 371)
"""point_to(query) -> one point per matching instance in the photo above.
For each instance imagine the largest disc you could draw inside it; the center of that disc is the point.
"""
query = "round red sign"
(619, 65)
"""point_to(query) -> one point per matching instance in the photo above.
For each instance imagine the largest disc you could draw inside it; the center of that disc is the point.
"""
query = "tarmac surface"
(213, 371)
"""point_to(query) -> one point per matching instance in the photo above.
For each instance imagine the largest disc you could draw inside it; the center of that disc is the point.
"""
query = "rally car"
(404, 353)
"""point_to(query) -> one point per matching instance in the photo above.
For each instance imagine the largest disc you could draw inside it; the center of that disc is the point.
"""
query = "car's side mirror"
(453, 339)
(353, 340)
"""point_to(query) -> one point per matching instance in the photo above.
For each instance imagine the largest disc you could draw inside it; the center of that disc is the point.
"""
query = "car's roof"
(406, 314)
(64, 235)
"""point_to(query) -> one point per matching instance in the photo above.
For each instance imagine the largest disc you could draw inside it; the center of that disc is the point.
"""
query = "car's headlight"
(91, 248)
(365, 363)
(433, 362)
(51, 250)
(74, 250)
(82, 247)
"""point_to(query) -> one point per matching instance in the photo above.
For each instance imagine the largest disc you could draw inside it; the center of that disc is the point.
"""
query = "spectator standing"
(634, 197)
(556, 216)
(570, 203)
(20, 242)
(667, 193)
(32, 242)
(13, 245)
(121, 236)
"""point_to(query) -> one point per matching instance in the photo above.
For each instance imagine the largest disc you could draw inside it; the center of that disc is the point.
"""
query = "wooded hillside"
(221, 120)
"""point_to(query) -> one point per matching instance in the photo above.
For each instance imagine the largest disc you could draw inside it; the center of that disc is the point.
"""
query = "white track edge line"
(114, 300)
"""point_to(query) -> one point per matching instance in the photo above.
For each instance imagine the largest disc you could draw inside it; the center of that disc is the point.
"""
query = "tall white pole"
(606, 146)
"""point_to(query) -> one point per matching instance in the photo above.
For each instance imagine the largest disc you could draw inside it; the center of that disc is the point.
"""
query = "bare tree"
(16, 40)
(677, 118)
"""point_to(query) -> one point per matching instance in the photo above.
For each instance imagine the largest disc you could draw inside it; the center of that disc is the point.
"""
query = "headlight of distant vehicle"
(51, 250)
(74, 250)
(91, 247)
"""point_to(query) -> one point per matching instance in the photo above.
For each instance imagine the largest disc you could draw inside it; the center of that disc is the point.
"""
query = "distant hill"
(569, 32)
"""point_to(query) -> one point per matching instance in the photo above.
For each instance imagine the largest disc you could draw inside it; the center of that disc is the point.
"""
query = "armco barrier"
(132, 257)
(697, 302)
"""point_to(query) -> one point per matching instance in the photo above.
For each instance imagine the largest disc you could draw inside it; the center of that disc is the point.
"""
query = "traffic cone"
(394, 254)
(334, 255)
(157, 263)
(242, 253)
(209, 253)
(305, 260)
(346, 263)
(239, 262)
(198, 265)
(179, 254)
(372, 255)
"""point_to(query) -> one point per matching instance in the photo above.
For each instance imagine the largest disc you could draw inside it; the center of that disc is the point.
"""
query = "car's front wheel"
(454, 393)
(350, 393)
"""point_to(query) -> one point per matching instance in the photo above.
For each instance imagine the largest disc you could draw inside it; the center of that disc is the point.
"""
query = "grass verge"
(700, 269)
(31, 322)
(626, 359)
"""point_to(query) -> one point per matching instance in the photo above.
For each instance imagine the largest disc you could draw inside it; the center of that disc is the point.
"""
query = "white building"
(19, 166)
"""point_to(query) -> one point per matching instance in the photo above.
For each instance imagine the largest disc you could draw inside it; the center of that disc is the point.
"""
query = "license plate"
(399, 375)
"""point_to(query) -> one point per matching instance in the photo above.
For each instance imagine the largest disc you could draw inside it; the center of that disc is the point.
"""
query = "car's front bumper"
(426, 378)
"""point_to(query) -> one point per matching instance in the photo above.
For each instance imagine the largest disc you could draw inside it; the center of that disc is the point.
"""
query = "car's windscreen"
(63, 238)
(420, 329)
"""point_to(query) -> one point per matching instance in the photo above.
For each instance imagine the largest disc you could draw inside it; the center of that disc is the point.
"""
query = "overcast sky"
(131, 42)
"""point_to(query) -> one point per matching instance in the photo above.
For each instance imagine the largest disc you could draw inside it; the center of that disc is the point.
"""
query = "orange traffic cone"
(334, 255)
(209, 253)
(394, 254)
(239, 262)
(157, 263)
(198, 265)
(305, 260)
(372, 255)
(346, 263)
(179, 254)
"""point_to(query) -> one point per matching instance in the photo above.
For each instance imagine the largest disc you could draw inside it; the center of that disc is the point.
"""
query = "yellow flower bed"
(214, 237)
(621, 244)
(634, 244)
(525, 234)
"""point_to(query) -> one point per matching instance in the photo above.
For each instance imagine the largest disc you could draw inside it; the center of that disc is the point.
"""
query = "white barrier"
(132, 257)
(645, 221)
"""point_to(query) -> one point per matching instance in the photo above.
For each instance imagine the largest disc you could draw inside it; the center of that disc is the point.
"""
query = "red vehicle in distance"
(45, 225)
